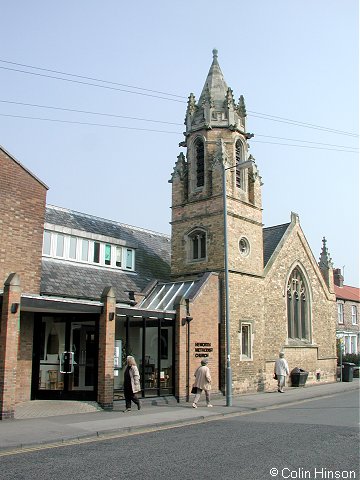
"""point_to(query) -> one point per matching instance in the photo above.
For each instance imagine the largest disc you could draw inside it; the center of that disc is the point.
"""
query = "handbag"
(275, 376)
(194, 389)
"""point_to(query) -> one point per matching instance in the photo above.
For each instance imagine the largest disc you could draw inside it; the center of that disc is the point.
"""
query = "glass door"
(82, 341)
(66, 356)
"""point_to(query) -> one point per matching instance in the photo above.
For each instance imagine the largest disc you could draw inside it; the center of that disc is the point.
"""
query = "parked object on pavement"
(298, 377)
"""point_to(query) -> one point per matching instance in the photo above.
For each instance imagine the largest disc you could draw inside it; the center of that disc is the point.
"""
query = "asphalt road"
(317, 439)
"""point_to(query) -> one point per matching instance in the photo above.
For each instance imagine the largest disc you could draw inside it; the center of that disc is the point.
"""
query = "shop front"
(151, 341)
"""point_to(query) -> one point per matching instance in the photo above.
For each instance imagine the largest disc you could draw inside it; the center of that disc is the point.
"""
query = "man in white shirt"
(281, 369)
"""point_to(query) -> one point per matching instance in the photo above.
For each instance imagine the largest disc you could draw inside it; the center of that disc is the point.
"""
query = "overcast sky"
(294, 60)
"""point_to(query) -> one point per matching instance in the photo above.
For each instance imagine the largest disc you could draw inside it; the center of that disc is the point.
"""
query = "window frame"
(199, 163)
(248, 356)
(239, 172)
(200, 236)
(298, 307)
(354, 315)
(86, 256)
(340, 310)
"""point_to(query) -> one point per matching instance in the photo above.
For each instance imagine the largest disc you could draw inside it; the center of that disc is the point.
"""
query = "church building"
(80, 293)
(279, 298)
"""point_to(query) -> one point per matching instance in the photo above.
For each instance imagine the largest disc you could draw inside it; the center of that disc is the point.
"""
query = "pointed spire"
(216, 106)
(241, 107)
(325, 261)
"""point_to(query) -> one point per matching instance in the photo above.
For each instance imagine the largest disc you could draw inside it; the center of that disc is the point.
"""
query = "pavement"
(40, 423)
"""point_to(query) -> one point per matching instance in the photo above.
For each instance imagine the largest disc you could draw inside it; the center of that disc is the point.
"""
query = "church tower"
(216, 141)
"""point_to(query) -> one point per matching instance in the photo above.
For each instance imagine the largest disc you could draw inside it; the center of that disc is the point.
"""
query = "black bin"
(298, 377)
(348, 371)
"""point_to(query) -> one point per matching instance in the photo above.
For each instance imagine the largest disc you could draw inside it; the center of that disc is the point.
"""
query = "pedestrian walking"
(281, 370)
(131, 383)
(202, 382)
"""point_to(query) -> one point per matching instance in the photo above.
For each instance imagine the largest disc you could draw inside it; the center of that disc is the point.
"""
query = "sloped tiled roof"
(271, 239)
(152, 259)
(347, 293)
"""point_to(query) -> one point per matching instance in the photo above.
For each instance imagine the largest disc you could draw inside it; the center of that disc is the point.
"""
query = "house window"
(47, 243)
(118, 256)
(197, 243)
(107, 254)
(200, 167)
(340, 307)
(129, 259)
(77, 249)
(245, 341)
(84, 250)
(353, 314)
(96, 257)
(59, 245)
(353, 344)
(72, 248)
(297, 307)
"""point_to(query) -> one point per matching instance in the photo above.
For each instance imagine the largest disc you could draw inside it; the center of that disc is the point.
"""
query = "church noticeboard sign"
(202, 349)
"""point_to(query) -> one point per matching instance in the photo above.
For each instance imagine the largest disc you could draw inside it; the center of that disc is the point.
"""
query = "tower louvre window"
(240, 183)
(200, 166)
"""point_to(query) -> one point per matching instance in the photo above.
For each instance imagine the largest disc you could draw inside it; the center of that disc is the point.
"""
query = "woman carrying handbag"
(202, 382)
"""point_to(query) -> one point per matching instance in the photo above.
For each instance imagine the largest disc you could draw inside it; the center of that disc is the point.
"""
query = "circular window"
(244, 246)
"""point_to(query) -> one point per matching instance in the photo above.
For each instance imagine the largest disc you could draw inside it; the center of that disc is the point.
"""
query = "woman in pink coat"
(202, 382)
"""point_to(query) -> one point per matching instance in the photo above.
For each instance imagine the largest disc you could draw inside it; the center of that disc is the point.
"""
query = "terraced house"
(81, 292)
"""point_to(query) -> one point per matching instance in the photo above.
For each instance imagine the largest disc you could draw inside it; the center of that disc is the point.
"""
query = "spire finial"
(325, 260)
(215, 53)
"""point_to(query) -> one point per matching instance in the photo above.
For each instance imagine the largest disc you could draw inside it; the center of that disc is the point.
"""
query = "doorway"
(65, 360)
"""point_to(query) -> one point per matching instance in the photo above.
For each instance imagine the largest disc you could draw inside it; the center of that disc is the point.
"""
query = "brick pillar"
(105, 396)
(181, 353)
(9, 345)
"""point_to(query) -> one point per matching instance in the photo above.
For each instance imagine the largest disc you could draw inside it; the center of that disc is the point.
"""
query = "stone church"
(80, 293)
(279, 298)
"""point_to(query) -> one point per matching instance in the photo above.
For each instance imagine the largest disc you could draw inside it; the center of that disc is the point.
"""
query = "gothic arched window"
(197, 245)
(200, 166)
(240, 173)
(298, 307)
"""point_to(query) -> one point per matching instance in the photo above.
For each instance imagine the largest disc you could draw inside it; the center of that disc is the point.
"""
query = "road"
(310, 439)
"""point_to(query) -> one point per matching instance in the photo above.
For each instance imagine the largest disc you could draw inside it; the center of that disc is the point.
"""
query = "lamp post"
(228, 377)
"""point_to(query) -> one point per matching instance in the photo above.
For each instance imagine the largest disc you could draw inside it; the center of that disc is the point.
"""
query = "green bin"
(348, 371)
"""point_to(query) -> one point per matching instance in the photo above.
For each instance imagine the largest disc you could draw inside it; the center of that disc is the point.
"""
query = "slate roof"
(68, 279)
(271, 239)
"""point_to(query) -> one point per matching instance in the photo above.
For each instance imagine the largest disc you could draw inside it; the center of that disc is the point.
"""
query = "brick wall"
(204, 310)
(22, 200)
(24, 360)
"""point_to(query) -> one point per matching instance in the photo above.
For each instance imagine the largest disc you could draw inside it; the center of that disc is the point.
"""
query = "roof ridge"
(276, 226)
(87, 215)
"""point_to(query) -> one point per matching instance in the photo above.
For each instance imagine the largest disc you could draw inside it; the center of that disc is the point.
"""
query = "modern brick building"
(80, 292)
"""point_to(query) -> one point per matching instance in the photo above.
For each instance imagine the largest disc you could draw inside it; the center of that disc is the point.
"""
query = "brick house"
(81, 292)
(347, 302)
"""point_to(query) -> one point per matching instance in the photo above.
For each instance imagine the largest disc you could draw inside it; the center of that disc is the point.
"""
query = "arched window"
(240, 173)
(298, 307)
(200, 167)
(197, 245)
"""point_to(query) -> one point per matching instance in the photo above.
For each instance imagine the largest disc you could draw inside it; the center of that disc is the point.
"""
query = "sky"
(296, 63)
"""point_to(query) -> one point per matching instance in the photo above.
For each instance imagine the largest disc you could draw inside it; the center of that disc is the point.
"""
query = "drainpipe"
(186, 321)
